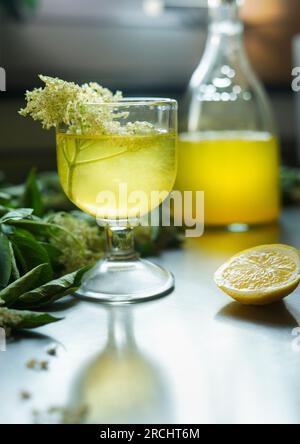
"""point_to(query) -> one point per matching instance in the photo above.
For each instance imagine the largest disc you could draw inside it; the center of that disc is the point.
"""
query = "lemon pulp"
(260, 275)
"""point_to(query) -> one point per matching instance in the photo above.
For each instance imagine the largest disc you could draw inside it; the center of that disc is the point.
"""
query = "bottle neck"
(224, 17)
(225, 45)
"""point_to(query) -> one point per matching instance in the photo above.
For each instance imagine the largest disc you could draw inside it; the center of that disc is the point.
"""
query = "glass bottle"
(228, 145)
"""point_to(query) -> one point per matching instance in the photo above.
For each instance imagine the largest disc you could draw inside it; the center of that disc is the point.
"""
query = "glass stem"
(120, 243)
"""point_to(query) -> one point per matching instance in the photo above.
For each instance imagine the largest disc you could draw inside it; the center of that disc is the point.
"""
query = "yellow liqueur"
(89, 165)
(238, 172)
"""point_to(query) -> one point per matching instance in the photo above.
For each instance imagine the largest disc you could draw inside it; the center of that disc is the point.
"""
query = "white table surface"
(194, 356)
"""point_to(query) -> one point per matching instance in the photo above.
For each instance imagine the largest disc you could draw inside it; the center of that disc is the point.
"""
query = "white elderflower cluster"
(77, 107)
(84, 247)
(139, 128)
(8, 320)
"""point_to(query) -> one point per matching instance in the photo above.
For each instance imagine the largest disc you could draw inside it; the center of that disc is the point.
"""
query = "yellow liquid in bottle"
(238, 171)
(89, 165)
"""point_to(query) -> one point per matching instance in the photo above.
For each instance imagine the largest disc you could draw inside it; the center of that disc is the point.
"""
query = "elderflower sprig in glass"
(112, 174)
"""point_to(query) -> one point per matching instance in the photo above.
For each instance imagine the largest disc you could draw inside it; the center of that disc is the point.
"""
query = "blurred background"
(143, 47)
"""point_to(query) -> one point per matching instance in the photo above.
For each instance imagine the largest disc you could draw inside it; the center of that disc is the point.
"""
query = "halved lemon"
(260, 275)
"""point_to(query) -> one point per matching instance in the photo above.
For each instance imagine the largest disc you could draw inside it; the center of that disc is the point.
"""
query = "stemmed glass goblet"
(113, 177)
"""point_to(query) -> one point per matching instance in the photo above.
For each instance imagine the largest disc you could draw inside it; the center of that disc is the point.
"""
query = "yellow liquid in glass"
(89, 165)
(238, 171)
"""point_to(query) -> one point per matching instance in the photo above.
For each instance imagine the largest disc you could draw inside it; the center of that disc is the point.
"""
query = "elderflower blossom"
(9, 319)
(77, 108)
(84, 247)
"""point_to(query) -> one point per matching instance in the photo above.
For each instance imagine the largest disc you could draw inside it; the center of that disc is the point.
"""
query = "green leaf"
(4, 210)
(16, 215)
(32, 279)
(31, 319)
(32, 4)
(40, 228)
(4, 198)
(17, 320)
(52, 291)
(29, 252)
(53, 252)
(14, 191)
(32, 197)
(15, 274)
(36, 227)
(6, 229)
(5, 261)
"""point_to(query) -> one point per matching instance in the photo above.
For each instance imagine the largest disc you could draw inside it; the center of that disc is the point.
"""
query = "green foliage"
(23, 319)
(52, 291)
(5, 260)
(32, 273)
(17, 8)
(33, 279)
(32, 197)
(290, 180)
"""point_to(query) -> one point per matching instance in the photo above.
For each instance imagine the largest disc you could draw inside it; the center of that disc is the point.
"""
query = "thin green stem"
(65, 155)
(111, 156)
(71, 171)
(73, 164)
(70, 181)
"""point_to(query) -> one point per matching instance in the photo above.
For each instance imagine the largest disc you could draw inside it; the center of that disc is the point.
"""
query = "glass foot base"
(126, 281)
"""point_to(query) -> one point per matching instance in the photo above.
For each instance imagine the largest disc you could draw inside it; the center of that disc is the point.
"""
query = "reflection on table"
(121, 385)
